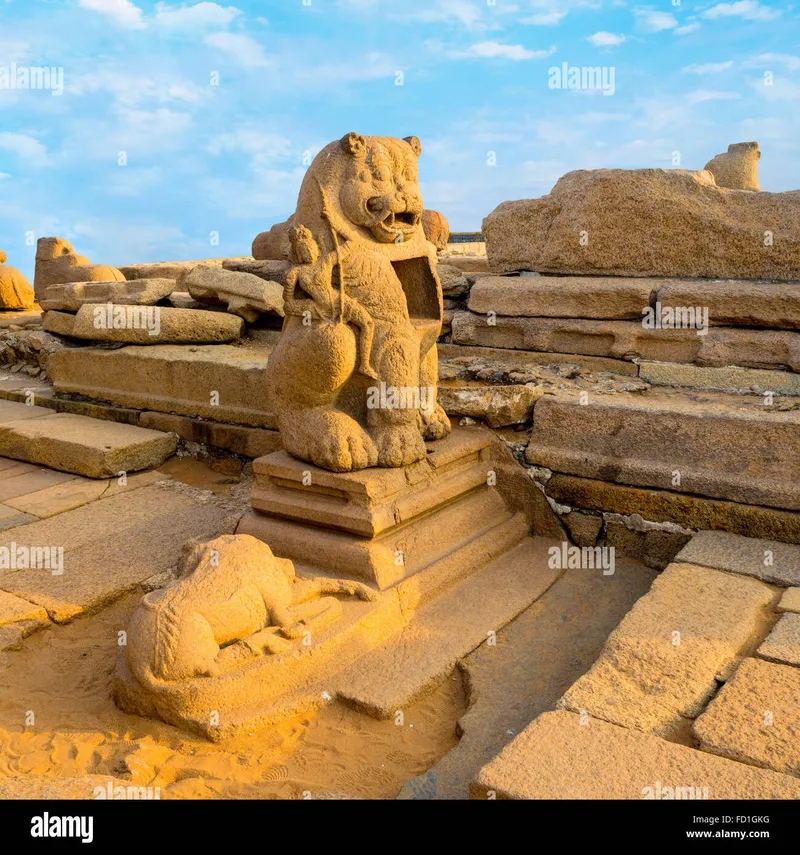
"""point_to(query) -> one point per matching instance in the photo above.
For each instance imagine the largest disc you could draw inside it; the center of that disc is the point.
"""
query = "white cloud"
(4, 175)
(792, 63)
(13, 51)
(595, 117)
(140, 133)
(122, 11)
(544, 19)
(198, 16)
(654, 22)
(461, 11)
(779, 90)
(23, 146)
(492, 50)
(264, 147)
(129, 89)
(686, 29)
(248, 51)
(750, 10)
(605, 39)
(700, 96)
(708, 67)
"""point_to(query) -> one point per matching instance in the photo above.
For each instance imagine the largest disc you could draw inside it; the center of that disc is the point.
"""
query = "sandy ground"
(63, 675)
(57, 718)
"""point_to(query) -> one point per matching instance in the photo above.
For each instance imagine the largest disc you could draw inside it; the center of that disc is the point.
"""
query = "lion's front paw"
(436, 425)
(399, 445)
(343, 445)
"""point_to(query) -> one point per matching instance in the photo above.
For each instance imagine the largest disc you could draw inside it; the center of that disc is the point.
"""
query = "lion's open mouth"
(401, 220)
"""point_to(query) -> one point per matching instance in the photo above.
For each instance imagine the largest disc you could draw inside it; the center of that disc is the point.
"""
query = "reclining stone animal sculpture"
(363, 309)
(236, 600)
(57, 263)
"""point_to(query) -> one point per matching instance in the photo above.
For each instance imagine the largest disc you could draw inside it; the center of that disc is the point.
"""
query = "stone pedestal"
(426, 525)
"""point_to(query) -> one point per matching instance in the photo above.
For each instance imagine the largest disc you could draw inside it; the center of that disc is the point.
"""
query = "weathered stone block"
(711, 447)
(659, 667)
(559, 756)
(648, 222)
(772, 561)
(754, 718)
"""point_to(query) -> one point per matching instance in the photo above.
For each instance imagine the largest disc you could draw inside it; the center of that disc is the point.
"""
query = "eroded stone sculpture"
(436, 228)
(57, 262)
(15, 290)
(737, 168)
(353, 377)
(235, 601)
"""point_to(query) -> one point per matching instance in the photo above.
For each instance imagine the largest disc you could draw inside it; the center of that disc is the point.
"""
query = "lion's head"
(379, 189)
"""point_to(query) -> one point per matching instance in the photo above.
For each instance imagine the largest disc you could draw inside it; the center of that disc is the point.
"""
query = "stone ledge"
(559, 757)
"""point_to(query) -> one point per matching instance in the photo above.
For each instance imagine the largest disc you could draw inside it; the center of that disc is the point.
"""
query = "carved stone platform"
(422, 527)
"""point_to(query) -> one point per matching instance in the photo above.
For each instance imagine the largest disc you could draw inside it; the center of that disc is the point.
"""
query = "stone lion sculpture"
(737, 168)
(235, 600)
(15, 290)
(57, 263)
(353, 377)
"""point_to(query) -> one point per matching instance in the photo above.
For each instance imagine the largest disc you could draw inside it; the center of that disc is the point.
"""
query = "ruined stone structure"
(624, 453)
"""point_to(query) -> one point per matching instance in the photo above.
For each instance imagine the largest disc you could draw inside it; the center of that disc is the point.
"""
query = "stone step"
(670, 506)
(661, 665)
(145, 325)
(723, 446)
(768, 560)
(521, 359)
(218, 382)
(79, 444)
(624, 339)
(98, 552)
(241, 439)
(562, 756)
(542, 650)
(757, 381)
(730, 302)
(754, 718)
(447, 629)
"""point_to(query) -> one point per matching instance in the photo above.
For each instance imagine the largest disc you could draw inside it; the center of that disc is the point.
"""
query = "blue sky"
(293, 75)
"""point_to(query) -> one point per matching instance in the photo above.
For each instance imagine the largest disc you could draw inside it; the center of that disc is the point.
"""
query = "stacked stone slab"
(147, 325)
(70, 296)
(691, 280)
